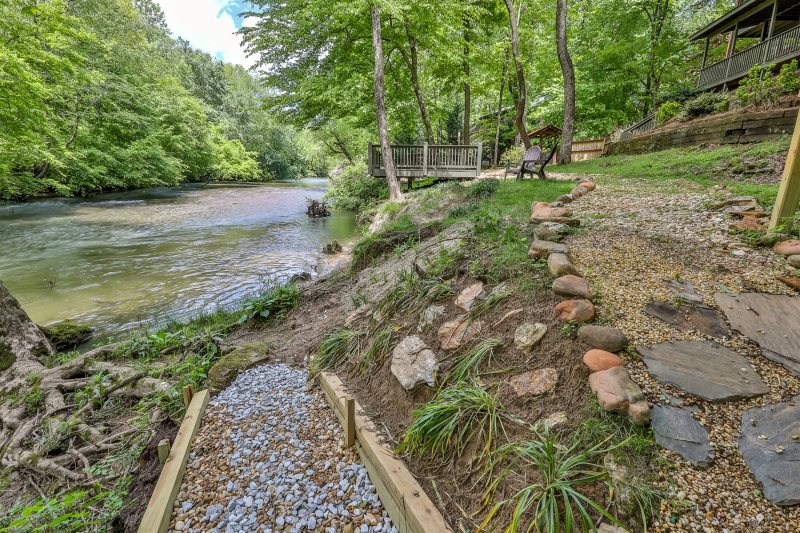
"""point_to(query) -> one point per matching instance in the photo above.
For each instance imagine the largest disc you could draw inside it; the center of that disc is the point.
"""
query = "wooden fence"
(588, 149)
(435, 160)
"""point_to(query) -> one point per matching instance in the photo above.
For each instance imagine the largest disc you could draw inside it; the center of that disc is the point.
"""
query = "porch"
(447, 161)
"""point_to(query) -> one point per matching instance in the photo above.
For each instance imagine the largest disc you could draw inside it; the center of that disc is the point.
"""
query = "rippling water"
(118, 260)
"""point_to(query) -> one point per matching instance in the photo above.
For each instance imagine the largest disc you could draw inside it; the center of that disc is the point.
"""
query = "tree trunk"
(520, 95)
(465, 138)
(500, 110)
(568, 71)
(380, 107)
(413, 66)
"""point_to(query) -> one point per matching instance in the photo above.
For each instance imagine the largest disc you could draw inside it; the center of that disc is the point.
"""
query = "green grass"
(731, 164)
(513, 198)
(468, 364)
(412, 294)
(337, 349)
(383, 342)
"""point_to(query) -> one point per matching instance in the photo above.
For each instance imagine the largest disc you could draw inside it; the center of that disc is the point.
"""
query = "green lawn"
(514, 198)
(741, 167)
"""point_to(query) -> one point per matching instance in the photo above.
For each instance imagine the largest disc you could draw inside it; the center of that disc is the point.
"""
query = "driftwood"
(317, 208)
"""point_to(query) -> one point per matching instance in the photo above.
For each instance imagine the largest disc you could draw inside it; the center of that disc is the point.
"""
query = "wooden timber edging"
(409, 507)
(158, 513)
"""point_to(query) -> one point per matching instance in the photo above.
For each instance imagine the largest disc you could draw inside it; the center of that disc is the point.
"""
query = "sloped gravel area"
(268, 457)
(635, 235)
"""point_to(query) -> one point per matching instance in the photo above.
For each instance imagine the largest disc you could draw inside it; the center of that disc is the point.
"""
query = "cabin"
(760, 33)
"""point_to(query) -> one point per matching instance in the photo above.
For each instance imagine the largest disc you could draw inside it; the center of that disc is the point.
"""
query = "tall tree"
(465, 137)
(412, 62)
(520, 95)
(380, 106)
(568, 72)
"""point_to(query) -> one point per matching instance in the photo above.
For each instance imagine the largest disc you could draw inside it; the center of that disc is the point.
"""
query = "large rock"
(466, 298)
(529, 335)
(794, 261)
(603, 337)
(535, 383)
(459, 331)
(599, 360)
(540, 248)
(413, 363)
(67, 335)
(227, 367)
(589, 185)
(551, 214)
(551, 231)
(429, 317)
(572, 286)
(703, 368)
(790, 281)
(676, 430)
(575, 310)
(617, 392)
(770, 444)
(790, 247)
(560, 265)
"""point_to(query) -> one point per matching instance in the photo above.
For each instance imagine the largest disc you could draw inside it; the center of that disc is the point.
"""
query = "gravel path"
(268, 457)
(639, 233)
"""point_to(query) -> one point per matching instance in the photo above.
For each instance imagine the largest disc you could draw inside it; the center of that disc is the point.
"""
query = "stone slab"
(770, 443)
(676, 430)
(771, 320)
(668, 313)
(703, 368)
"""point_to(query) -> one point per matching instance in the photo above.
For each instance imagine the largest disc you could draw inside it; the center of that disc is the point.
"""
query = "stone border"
(158, 513)
(408, 505)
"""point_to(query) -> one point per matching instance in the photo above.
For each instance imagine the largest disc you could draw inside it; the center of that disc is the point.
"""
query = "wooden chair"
(533, 162)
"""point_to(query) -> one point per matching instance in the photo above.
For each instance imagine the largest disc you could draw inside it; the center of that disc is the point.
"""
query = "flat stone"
(771, 320)
(543, 214)
(413, 363)
(770, 444)
(707, 321)
(668, 313)
(790, 247)
(466, 298)
(603, 337)
(575, 310)
(578, 192)
(618, 393)
(572, 286)
(429, 317)
(551, 231)
(535, 383)
(541, 248)
(560, 265)
(555, 420)
(794, 261)
(684, 290)
(456, 332)
(747, 209)
(529, 335)
(747, 223)
(599, 360)
(703, 368)
(736, 200)
(790, 281)
(676, 430)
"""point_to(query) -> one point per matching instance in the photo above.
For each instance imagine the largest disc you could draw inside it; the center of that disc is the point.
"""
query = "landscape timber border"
(409, 507)
(158, 513)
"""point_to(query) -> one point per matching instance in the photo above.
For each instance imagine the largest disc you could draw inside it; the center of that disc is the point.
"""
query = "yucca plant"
(336, 349)
(554, 503)
(452, 419)
(468, 364)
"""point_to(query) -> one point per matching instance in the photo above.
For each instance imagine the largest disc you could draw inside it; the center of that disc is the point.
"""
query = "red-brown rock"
(790, 247)
(599, 360)
(576, 310)
(791, 281)
(457, 332)
(535, 383)
(588, 185)
(572, 286)
(555, 214)
(618, 393)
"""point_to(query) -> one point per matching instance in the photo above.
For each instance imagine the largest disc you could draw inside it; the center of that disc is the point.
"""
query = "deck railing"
(776, 49)
(436, 160)
(646, 124)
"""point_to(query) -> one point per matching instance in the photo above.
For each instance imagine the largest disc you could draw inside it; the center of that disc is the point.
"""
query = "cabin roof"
(750, 14)
(546, 131)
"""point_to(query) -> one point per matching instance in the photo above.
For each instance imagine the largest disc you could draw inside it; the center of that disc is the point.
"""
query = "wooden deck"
(429, 160)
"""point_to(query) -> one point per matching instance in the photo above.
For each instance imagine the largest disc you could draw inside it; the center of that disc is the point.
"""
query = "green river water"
(118, 261)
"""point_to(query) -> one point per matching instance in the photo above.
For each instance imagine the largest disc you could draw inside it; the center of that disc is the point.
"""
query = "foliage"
(485, 306)
(353, 189)
(667, 111)
(466, 368)
(513, 156)
(337, 349)
(412, 294)
(70, 512)
(455, 417)
(553, 502)
(483, 189)
(705, 104)
(763, 89)
(786, 80)
(275, 303)
(383, 342)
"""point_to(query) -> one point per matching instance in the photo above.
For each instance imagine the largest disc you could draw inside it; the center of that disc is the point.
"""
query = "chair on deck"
(533, 162)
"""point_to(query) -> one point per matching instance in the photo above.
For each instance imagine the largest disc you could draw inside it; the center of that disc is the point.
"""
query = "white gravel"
(269, 458)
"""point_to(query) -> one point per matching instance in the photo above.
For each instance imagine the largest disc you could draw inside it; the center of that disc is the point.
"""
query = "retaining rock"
(603, 337)
(572, 286)
(617, 392)
(413, 363)
(575, 310)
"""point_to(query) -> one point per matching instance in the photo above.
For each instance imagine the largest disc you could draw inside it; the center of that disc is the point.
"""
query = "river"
(118, 261)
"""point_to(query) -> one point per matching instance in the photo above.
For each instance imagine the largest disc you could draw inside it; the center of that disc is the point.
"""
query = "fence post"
(369, 160)
(425, 160)
(349, 422)
(480, 159)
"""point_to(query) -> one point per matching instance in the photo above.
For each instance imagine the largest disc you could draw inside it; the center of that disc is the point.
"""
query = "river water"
(116, 261)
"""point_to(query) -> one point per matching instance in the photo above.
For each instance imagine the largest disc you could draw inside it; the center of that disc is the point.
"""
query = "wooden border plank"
(404, 499)
(158, 513)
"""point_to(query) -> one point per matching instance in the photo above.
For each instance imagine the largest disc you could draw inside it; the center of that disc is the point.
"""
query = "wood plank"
(789, 192)
(158, 513)
(402, 493)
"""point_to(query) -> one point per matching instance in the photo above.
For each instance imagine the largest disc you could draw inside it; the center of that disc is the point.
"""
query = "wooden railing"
(776, 49)
(436, 160)
(646, 124)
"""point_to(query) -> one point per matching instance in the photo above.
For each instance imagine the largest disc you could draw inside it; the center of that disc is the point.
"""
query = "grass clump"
(379, 349)
(554, 501)
(336, 349)
(468, 364)
(275, 303)
(454, 418)
(412, 294)
(485, 306)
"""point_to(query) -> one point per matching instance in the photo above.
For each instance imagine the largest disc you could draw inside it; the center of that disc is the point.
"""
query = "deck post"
(369, 159)
(425, 160)
(789, 192)
(480, 157)
(705, 53)
(770, 33)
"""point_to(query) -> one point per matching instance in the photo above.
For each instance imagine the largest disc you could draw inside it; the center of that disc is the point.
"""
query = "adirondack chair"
(533, 162)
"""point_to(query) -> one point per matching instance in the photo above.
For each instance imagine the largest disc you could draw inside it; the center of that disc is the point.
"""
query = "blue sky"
(209, 25)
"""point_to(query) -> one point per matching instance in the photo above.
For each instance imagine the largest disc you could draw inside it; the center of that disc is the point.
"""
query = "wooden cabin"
(760, 33)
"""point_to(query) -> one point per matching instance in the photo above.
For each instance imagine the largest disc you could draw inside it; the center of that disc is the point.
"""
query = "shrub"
(275, 303)
(667, 111)
(513, 156)
(704, 104)
(483, 188)
(355, 190)
(786, 80)
(757, 91)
